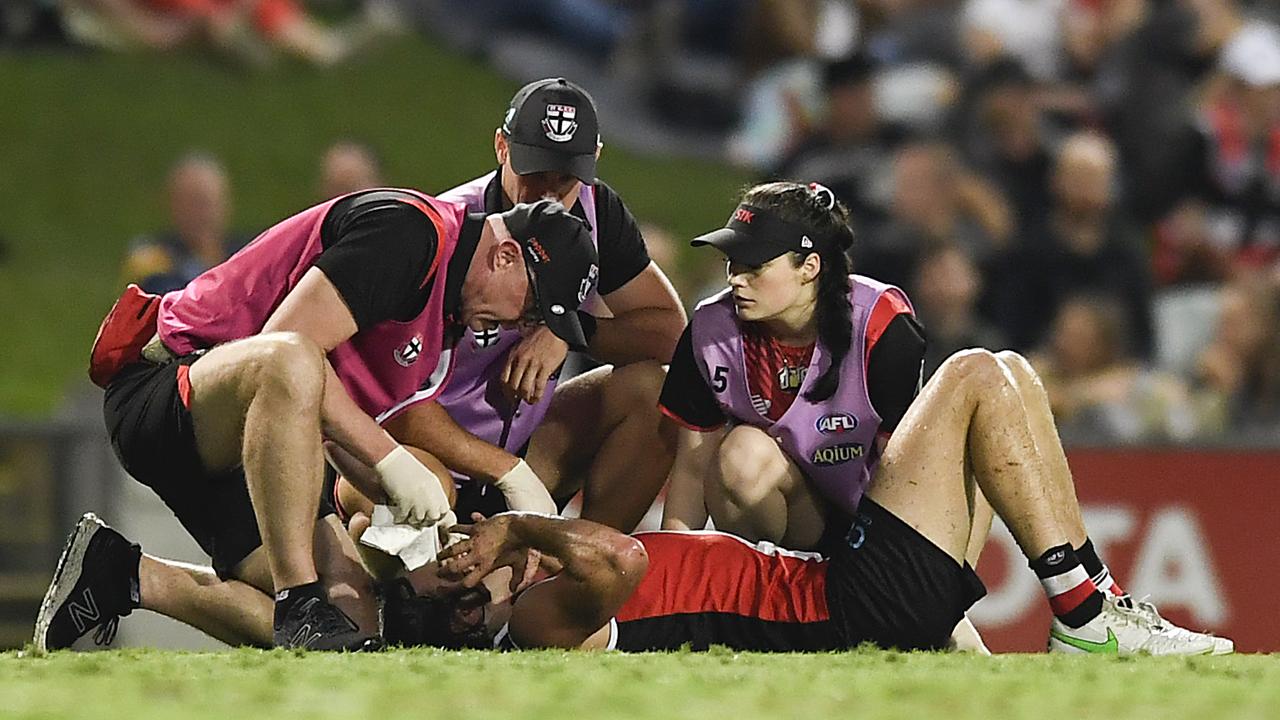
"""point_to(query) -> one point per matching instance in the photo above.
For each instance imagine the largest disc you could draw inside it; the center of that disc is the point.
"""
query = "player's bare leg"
(239, 611)
(968, 415)
(757, 492)
(972, 415)
(1062, 487)
(603, 434)
(232, 611)
(257, 402)
(1057, 479)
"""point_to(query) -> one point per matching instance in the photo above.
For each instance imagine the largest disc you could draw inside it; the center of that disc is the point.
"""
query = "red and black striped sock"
(1098, 570)
(1074, 598)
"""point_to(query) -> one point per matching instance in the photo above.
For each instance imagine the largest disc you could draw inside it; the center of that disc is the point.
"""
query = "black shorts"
(153, 436)
(889, 585)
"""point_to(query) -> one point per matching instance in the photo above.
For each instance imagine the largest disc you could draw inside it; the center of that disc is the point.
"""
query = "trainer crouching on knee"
(313, 332)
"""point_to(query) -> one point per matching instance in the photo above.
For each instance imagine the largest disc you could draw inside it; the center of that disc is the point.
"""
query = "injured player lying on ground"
(898, 580)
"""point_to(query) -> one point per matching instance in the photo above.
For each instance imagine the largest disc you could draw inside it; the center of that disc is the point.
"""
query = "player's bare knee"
(748, 461)
(289, 366)
(977, 368)
(630, 559)
(1019, 366)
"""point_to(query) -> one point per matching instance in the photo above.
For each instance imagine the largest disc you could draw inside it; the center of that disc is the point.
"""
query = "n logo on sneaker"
(304, 638)
(84, 616)
(1112, 645)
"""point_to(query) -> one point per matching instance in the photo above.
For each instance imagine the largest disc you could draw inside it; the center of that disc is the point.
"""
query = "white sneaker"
(1221, 645)
(1128, 631)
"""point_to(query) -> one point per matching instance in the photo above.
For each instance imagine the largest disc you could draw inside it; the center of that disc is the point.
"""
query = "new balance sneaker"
(94, 585)
(1127, 630)
(313, 623)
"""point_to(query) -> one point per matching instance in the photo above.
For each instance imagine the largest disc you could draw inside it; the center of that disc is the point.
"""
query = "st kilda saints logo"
(486, 338)
(836, 454)
(560, 123)
(836, 424)
(408, 353)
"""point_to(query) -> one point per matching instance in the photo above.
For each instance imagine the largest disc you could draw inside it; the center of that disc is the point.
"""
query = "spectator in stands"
(782, 47)
(1097, 389)
(849, 149)
(592, 26)
(936, 202)
(30, 22)
(1086, 244)
(1145, 79)
(1007, 140)
(199, 207)
(1229, 212)
(1241, 367)
(1032, 31)
(246, 29)
(946, 290)
(348, 166)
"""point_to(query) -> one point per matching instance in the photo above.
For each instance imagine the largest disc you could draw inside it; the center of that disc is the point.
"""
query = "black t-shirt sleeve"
(686, 397)
(377, 253)
(623, 254)
(894, 369)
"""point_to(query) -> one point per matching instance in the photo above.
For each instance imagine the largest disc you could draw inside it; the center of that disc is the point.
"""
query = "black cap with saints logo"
(551, 126)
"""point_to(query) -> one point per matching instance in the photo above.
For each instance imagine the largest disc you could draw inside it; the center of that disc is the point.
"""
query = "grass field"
(86, 139)
(142, 685)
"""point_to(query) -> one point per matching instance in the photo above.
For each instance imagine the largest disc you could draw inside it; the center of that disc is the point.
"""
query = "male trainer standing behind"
(600, 429)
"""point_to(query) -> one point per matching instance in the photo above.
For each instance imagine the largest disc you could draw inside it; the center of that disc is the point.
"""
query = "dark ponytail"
(815, 207)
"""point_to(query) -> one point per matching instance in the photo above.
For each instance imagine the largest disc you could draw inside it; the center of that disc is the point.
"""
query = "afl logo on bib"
(560, 123)
(837, 424)
(837, 454)
(408, 353)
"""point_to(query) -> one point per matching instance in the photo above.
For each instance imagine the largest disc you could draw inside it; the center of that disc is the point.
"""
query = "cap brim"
(560, 316)
(526, 159)
(740, 247)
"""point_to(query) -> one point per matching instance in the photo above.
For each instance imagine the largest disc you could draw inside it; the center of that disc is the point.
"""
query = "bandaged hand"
(416, 495)
(524, 491)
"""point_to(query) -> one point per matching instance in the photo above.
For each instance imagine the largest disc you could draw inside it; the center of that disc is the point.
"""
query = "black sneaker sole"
(65, 577)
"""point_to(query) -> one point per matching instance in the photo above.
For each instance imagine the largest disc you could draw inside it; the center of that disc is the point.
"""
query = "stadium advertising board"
(1196, 531)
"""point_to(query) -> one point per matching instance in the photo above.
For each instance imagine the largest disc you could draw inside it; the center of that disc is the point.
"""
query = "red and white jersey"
(712, 588)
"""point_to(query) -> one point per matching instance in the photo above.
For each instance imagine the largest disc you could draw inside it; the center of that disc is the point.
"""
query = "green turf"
(85, 140)
(141, 685)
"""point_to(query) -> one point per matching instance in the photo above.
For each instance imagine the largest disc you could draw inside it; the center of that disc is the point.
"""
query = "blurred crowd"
(253, 32)
(1095, 183)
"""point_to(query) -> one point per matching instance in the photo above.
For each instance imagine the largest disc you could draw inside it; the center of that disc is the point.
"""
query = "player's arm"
(689, 402)
(600, 568)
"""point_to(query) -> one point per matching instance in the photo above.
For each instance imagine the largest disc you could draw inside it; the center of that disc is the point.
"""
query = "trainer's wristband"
(589, 325)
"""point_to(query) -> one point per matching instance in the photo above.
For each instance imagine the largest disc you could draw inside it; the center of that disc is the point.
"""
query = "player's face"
(497, 291)
(778, 287)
